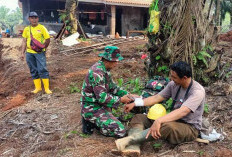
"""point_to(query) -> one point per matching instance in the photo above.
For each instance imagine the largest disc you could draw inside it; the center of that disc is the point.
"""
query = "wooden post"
(113, 20)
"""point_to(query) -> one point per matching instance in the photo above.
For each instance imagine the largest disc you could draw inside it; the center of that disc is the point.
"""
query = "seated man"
(182, 124)
(100, 94)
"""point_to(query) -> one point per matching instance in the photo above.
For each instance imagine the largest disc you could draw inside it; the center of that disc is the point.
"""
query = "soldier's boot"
(130, 145)
(87, 127)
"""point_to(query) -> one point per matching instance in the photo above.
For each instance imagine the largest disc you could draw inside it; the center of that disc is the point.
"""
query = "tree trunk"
(210, 6)
(218, 7)
(185, 35)
(71, 7)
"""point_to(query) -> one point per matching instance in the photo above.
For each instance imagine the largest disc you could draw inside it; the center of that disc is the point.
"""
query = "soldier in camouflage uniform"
(100, 94)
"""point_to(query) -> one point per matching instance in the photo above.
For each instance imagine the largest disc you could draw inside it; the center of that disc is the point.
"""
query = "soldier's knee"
(121, 133)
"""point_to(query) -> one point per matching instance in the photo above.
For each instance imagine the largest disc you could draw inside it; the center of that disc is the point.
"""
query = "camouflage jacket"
(99, 91)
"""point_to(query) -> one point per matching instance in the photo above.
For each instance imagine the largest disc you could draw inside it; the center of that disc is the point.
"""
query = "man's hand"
(24, 45)
(155, 130)
(125, 99)
(129, 107)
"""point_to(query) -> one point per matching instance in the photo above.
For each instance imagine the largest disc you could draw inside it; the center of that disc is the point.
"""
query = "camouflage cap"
(111, 53)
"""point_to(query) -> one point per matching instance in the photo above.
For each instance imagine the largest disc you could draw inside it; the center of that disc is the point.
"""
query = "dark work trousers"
(37, 65)
(174, 132)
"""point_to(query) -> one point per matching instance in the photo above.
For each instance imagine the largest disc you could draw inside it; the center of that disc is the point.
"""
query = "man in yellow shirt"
(36, 60)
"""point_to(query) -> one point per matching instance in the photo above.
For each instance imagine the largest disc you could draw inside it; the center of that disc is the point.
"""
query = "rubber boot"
(134, 149)
(87, 127)
(37, 83)
(46, 86)
(134, 139)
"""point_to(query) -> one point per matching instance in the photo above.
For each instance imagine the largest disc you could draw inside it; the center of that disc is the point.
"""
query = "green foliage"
(228, 74)
(84, 135)
(75, 132)
(67, 135)
(8, 19)
(157, 57)
(116, 112)
(201, 153)
(63, 17)
(68, 28)
(164, 69)
(74, 88)
(166, 28)
(81, 39)
(119, 112)
(128, 116)
(206, 108)
(134, 86)
(157, 145)
(205, 79)
(120, 82)
(202, 55)
(154, 6)
(168, 105)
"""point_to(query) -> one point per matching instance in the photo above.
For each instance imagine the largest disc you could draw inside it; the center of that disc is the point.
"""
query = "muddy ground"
(50, 125)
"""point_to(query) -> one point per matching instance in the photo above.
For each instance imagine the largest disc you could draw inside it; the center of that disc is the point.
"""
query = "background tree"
(71, 7)
(9, 19)
(185, 34)
(3, 15)
(226, 7)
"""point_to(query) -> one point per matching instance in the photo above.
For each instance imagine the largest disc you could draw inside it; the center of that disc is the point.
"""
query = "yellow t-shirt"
(39, 32)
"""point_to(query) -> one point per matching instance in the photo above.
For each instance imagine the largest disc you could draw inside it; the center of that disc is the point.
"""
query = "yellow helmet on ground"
(156, 112)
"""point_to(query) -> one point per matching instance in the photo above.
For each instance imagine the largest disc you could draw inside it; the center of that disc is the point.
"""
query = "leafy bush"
(74, 88)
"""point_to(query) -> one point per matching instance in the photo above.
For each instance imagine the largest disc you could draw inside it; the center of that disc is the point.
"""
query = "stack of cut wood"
(226, 37)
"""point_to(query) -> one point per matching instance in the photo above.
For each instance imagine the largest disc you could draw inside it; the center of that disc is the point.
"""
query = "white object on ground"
(52, 32)
(71, 40)
(213, 136)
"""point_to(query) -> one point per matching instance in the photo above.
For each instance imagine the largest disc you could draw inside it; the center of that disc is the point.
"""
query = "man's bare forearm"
(175, 115)
(24, 45)
(153, 100)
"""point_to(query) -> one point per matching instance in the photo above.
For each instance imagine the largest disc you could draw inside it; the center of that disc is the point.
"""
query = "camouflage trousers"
(107, 123)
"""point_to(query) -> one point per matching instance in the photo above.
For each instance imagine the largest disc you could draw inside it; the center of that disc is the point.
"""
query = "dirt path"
(50, 125)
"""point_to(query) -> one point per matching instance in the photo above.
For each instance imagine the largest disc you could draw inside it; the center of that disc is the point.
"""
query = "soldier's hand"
(125, 99)
(135, 96)
(129, 107)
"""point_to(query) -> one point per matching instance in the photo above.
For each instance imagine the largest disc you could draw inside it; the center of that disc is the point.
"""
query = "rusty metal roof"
(133, 3)
(130, 2)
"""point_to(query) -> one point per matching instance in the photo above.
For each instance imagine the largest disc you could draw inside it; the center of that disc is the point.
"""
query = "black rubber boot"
(87, 127)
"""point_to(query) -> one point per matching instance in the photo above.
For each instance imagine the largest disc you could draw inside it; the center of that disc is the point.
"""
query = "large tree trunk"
(184, 32)
(218, 7)
(71, 7)
(210, 6)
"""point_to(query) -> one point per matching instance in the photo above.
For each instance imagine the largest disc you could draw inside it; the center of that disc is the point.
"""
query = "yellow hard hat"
(156, 112)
